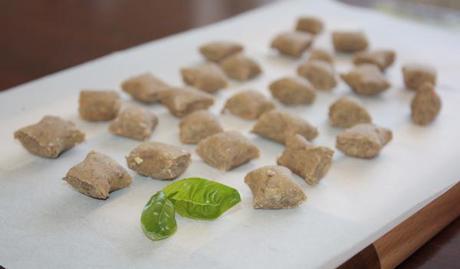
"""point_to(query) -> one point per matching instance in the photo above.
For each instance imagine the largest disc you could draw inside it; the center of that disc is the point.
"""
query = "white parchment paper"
(44, 223)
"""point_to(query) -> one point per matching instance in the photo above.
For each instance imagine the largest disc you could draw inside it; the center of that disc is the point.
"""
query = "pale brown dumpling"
(216, 51)
(347, 112)
(321, 54)
(310, 24)
(272, 187)
(134, 122)
(145, 88)
(207, 77)
(349, 41)
(415, 75)
(381, 58)
(293, 91)
(98, 175)
(248, 104)
(240, 67)
(293, 44)
(197, 126)
(366, 79)
(320, 73)
(183, 101)
(99, 105)
(425, 105)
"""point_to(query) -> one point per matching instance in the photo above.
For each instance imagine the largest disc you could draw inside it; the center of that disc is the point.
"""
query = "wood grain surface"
(44, 36)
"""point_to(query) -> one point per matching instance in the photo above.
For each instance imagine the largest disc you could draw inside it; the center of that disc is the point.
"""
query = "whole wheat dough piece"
(227, 150)
(183, 101)
(158, 160)
(100, 105)
(347, 112)
(292, 43)
(134, 122)
(240, 67)
(415, 75)
(310, 24)
(278, 125)
(349, 41)
(248, 104)
(218, 50)
(49, 137)
(320, 73)
(145, 87)
(98, 175)
(363, 140)
(305, 159)
(425, 105)
(366, 79)
(272, 187)
(207, 77)
(381, 58)
(197, 126)
(321, 54)
(293, 91)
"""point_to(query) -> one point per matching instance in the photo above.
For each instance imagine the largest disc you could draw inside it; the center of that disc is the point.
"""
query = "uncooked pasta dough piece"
(272, 187)
(248, 104)
(49, 137)
(218, 50)
(98, 175)
(320, 73)
(278, 125)
(145, 87)
(99, 105)
(183, 101)
(366, 79)
(207, 77)
(198, 125)
(240, 67)
(425, 105)
(415, 75)
(321, 54)
(227, 150)
(292, 43)
(363, 140)
(349, 41)
(381, 58)
(305, 159)
(310, 24)
(347, 112)
(293, 91)
(134, 122)
(158, 160)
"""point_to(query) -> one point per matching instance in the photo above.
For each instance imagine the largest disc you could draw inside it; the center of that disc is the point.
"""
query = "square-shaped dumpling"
(197, 126)
(158, 160)
(227, 150)
(134, 122)
(349, 41)
(381, 58)
(49, 137)
(218, 50)
(98, 175)
(320, 73)
(292, 43)
(183, 101)
(248, 104)
(310, 24)
(293, 91)
(100, 105)
(366, 79)
(240, 67)
(415, 75)
(207, 77)
(145, 87)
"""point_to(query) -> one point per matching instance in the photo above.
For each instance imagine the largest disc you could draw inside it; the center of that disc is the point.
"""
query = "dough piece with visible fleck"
(145, 88)
(320, 73)
(49, 137)
(134, 122)
(310, 24)
(381, 58)
(305, 159)
(207, 77)
(272, 187)
(321, 54)
(240, 67)
(278, 126)
(363, 140)
(425, 105)
(366, 79)
(183, 101)
(197, 126)
(102, 105)
(158, 160)
(227, 150)
(347, 112)
(292, 43)
(248, 104)
(415, 75)
(98, 175)
(349, 41)
(218, 50)
(293, 91)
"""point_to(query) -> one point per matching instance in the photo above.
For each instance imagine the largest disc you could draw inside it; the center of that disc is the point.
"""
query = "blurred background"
(40, 37)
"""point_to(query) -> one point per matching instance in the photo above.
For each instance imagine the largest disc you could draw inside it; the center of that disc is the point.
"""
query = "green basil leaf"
(199, 198)
(158, 218)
